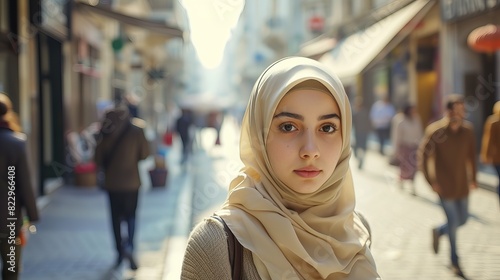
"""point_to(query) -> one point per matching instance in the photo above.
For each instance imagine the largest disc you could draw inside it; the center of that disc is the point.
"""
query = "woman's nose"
(309, 148)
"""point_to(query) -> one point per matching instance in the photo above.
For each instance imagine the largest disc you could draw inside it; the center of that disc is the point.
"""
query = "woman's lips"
(307, 173)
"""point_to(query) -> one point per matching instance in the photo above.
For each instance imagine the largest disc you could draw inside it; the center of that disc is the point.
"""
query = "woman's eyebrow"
(300, 117)
(329, 116)
(290, 115)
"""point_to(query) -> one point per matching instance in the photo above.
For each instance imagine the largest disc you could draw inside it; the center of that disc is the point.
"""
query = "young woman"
(292, 206)
(408, 133)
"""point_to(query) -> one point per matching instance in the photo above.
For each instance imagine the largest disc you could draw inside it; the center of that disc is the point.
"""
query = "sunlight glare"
(211, 23)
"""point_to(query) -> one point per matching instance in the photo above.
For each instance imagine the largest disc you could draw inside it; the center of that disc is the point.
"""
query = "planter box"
(85, 175)
(158, 177)
(88, 179)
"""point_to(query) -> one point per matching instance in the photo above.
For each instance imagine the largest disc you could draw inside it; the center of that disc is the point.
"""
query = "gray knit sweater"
(207, 255)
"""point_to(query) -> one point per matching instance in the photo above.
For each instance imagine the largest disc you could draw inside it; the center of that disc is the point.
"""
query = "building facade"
(474, 74)
(59, 59)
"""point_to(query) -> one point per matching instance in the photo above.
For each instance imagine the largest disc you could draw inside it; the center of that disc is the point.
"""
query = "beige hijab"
(293, 235)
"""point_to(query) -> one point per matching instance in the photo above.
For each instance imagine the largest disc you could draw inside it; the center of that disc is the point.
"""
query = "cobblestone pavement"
(401, 225)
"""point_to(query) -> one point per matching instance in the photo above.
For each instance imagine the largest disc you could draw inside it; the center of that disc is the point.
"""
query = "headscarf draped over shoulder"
(293, 235)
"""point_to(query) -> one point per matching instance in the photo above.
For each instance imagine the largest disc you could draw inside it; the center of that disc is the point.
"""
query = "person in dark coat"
(362, 128)
(182, 126)
(122, 145)
(16, 190)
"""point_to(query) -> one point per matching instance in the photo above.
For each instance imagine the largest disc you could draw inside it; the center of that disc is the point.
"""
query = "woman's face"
(305, 139)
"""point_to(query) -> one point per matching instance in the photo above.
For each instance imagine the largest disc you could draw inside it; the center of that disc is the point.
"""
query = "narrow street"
(74, 238)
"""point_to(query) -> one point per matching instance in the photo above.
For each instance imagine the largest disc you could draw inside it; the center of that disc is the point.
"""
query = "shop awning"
(150, 25)
(317, 47)
(355, 53)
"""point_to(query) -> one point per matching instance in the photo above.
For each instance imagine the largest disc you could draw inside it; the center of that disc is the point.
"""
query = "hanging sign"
(452, 10)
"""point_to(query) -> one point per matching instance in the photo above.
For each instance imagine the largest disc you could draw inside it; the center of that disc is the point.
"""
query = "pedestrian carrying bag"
(235, 251)
(106, 159)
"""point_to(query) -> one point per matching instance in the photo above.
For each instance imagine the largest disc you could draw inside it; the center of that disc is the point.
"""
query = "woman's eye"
(329, 128)
(287, 127)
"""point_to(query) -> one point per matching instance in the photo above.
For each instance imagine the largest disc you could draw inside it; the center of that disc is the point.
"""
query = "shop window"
(4, 16)
(425, 58)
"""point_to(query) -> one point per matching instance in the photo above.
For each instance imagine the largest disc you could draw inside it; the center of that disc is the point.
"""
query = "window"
(4, 16)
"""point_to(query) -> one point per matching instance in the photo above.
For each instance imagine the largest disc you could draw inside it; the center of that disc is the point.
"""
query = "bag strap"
(106, 160)
(235, 250)
(367, 226)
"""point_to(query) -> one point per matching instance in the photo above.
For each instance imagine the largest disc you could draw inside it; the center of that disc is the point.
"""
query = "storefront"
(88, 68)
(115, 52)
(18, 76)
(424, 72)
(465, 70)
(51, 20)
(9, 78)
(382, 59)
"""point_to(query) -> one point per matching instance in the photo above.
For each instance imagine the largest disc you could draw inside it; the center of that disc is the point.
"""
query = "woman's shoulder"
(209, 231)
(207, 252)
(14, 140)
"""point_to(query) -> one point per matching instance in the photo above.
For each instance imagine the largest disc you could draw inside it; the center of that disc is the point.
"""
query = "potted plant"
(85, 174)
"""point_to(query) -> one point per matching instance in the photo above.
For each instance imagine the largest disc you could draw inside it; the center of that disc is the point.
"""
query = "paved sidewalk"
(74, 239)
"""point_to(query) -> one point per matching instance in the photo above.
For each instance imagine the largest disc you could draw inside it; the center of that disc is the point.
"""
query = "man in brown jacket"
(118, 152)
(490, 148)
(447, 158)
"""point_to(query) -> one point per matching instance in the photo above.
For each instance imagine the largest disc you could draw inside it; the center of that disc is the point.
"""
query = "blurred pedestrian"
(381, 114)
(490, 148)
(447, 157)
(362, 128)
(16, 190)
(121, 147)
(183, 128)
(393, 160)
(408, 133)
(132, 102)
(292, 206)
(214, 120)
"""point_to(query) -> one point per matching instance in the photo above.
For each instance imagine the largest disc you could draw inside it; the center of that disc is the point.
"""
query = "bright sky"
(211, 22)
